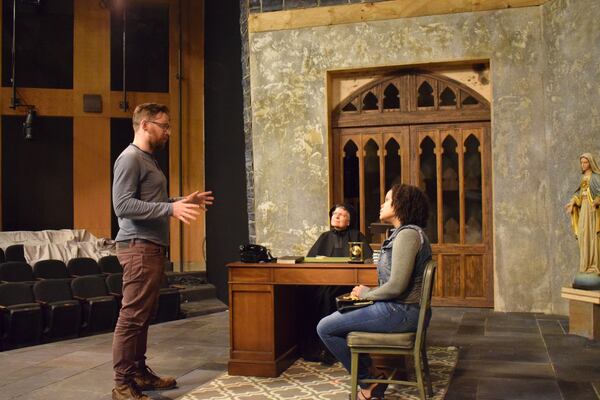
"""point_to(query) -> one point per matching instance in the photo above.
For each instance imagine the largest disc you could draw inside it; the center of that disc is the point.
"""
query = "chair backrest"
(50, 269)
(15, 293)
(89, 286)
(15, 252)
(82, 266)
(425, 302)
(2, 256)
(110, 265)
(16, 271)
(52, 290)
(114, 282)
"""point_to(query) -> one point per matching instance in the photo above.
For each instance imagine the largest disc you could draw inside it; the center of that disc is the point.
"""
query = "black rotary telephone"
(255, 253)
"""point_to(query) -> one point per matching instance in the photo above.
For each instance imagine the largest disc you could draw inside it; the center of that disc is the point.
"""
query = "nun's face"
(340, 219)
(585, 164)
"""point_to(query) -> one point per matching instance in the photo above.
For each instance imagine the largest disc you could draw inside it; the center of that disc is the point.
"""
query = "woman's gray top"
(401, 265)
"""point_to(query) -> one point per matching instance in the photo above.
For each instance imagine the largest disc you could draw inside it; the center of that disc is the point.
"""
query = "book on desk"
(290, 259)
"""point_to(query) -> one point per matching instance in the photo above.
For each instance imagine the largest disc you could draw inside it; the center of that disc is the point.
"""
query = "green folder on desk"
(326, 259)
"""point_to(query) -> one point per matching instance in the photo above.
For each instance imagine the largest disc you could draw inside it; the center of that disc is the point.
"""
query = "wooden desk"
(262, 306)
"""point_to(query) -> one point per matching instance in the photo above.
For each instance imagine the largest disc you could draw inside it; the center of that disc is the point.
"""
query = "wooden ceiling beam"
(363, 12)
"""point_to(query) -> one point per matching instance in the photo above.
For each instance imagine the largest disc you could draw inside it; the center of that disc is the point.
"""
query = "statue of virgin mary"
(584, 208)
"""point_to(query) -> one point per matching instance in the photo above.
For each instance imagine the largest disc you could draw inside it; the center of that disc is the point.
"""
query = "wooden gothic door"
(434, 134)
(451, 164)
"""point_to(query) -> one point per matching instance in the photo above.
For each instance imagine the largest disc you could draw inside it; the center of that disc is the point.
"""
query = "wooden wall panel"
(91, 175)
(193, 130)
(91, 49)
(48, 102)
(475, 276)
(91, 132)
(452, 276)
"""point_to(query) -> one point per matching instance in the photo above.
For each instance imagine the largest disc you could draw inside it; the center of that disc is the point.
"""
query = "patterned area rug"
(309, 381)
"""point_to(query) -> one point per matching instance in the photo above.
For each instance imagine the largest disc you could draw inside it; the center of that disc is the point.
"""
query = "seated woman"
(400, 271)
(319, 301)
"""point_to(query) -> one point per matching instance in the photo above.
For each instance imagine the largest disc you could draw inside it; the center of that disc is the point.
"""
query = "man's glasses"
(164, 127)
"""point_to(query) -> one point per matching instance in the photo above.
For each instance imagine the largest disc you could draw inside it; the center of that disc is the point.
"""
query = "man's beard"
(158, 145)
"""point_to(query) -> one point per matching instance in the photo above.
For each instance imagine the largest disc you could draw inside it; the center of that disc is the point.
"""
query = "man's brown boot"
(146, 379)
(128, 392)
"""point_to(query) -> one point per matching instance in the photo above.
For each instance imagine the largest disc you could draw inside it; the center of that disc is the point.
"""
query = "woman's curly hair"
(410, 205)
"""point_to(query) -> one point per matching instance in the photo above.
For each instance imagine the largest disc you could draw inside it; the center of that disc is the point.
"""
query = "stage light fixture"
(28, 124)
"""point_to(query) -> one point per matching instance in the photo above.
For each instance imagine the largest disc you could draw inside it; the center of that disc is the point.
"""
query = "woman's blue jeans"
(381, 317)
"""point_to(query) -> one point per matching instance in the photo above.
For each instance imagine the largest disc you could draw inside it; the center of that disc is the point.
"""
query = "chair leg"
(419, 374)
(426, 370)
(353, 374)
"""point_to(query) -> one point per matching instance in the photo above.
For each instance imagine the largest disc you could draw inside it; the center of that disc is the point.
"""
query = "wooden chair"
(409, 343)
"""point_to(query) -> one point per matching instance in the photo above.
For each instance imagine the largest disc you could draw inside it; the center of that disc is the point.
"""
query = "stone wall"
(531, 62)
(249, 157)
(572, 110)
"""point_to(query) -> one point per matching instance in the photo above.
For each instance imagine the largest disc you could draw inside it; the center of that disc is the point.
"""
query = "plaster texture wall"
(572, 108)
(290, 137)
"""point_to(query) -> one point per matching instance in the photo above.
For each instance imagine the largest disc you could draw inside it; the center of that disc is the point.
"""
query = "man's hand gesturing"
(185, 211)
(202, 199)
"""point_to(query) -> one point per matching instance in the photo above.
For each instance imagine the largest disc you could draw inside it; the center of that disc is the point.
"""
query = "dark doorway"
(37, 175)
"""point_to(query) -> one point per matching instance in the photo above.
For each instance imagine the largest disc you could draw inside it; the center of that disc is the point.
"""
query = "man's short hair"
(147, 111)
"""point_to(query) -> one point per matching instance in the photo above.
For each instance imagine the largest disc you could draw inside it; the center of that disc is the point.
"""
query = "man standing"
(143, 207)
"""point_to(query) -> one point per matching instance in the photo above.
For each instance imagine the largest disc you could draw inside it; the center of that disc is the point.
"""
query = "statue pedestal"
(584, 312)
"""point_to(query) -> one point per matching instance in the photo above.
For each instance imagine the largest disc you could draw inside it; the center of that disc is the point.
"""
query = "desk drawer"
(249, 275)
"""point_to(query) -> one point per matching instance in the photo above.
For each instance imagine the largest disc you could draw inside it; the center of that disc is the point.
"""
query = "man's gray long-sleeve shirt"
(140, 197)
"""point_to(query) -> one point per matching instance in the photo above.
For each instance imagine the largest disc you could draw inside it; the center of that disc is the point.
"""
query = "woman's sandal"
(361, 396)
(377, 393)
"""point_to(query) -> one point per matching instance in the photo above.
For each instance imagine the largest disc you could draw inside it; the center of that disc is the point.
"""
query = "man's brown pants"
(143, 270)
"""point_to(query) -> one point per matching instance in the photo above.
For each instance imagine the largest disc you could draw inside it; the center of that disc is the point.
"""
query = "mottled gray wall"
(572, 107)
(290, 139)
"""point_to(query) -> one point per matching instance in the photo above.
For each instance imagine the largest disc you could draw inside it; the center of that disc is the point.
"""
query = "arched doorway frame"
(410, 108)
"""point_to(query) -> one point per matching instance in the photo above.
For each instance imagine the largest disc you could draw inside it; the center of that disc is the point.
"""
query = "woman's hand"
(596, 202)
(359, 291)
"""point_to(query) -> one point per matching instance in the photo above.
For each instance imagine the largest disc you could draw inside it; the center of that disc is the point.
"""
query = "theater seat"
(62, 313)
(15, 253)
(83, 266)
(21, 316)
(100, 310)
(16, 271)
(50, 269)
(110, 265)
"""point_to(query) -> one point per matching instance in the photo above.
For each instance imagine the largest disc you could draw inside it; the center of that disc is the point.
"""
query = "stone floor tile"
(577, 390)
(518, 389)
(503, 369)
(36, 381)
(550, 327)
(462, 388)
